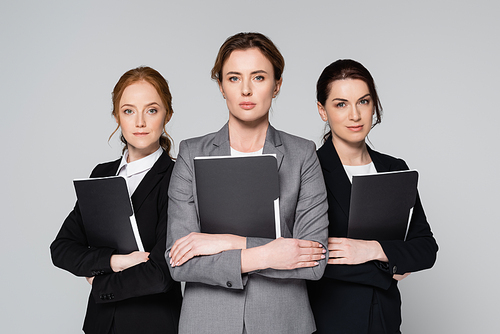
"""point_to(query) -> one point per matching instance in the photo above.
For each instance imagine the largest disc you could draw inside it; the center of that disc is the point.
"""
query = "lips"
(355, 128)
(141, 134)
(247, 105)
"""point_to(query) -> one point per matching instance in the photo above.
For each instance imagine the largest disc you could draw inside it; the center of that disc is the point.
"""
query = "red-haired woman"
(131, 293)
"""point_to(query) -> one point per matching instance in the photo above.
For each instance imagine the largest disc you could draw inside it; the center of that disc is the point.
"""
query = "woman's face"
(141, 118)
(248, 85)
(348, 110)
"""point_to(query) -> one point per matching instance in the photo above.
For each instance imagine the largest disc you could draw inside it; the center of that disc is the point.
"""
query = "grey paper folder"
(381, 205)
(238, 195)
(107, 213)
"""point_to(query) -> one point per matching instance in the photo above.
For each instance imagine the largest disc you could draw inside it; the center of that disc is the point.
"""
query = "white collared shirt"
(135, 171)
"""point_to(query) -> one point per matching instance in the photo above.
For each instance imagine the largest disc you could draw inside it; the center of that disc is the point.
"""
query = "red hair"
(154, 78)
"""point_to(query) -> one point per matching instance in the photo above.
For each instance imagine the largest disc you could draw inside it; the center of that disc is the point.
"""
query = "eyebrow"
(345, 100)
(362, 97)
(238, 73)
(147, 105)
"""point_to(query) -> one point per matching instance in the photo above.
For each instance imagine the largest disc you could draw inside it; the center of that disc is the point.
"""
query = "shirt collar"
(140, 165)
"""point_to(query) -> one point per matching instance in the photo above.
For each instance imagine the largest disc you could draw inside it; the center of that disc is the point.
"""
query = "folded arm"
(418, 251)
(123, 276)
(70, 250)
(377, 263)
(303, 207)
(198, 257)
(219, 267)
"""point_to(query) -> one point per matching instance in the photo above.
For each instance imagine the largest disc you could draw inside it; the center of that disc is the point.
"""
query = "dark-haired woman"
(358, 292)
(131, 293)
(237, 284)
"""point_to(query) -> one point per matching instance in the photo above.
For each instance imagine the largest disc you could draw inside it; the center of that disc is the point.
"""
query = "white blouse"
(360, 170)
(135, 171)
(235, 153)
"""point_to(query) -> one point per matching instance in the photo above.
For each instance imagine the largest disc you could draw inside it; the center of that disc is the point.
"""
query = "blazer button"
(229, 284)
(394, 269)
(102, 297)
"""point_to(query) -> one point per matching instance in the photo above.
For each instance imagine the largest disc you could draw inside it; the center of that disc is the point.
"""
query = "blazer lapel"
(381, 164)
(273, 145)
(220, 143)
(108, 169)
(150, 180)
(336, 179)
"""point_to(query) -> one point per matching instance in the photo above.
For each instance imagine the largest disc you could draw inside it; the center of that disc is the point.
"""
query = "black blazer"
(364, 298)
(140, 299)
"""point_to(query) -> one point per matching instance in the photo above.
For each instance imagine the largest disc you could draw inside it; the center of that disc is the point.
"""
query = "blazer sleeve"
(70, 251)
(419, 250)
(147, 278)
(373, 273)
(222, 269)
(310, 216)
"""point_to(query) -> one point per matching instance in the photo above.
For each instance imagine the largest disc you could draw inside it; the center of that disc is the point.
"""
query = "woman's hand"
(353, 251)
(122, 262)
(398, 277)
(196, 244)
(284, 254)
(288, 253)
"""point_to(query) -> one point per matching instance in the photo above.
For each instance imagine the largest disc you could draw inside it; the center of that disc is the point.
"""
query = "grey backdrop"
(435, 64)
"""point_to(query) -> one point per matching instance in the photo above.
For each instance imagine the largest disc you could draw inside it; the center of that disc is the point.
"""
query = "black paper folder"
(107, 213)
(381, 205)
(238, 195)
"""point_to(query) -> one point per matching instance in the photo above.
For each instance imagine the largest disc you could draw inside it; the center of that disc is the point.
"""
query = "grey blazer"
(218, 298)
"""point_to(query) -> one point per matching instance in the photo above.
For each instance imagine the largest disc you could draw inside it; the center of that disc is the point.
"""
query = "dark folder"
(107, 213)
(381, 205)
(238, 195)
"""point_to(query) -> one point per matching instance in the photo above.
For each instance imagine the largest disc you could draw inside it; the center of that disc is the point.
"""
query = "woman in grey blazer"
(237, 284)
